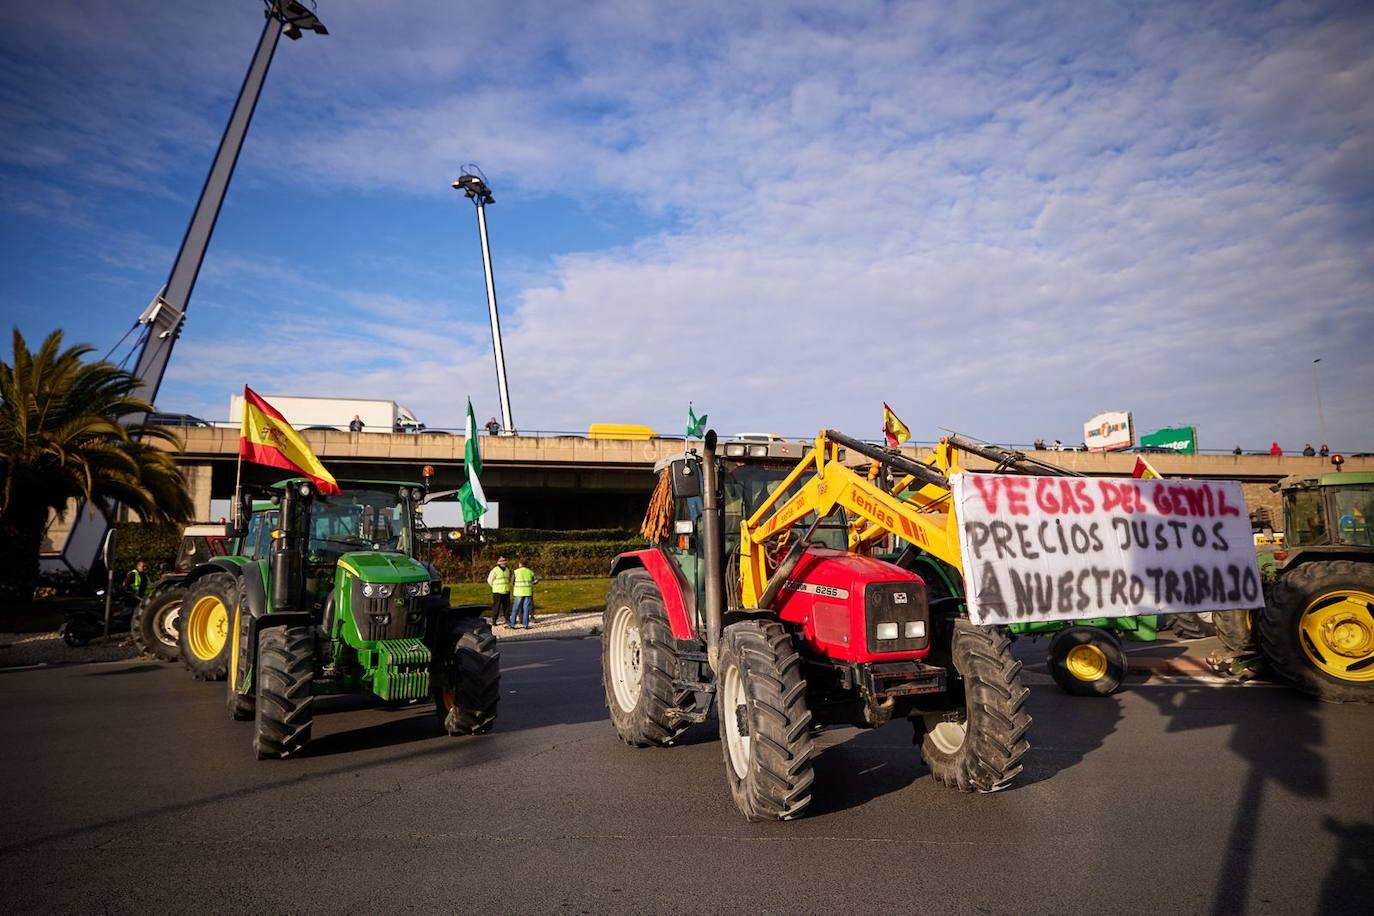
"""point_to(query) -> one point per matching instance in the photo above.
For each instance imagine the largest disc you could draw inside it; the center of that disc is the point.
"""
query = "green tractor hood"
(384, 567)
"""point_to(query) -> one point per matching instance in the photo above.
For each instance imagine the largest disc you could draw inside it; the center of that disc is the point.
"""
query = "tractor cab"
(750, 474)
(1326, 513)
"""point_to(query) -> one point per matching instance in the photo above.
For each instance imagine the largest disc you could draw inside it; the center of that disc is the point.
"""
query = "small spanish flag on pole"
(1144, 470)
(266, 438)
(893, 428)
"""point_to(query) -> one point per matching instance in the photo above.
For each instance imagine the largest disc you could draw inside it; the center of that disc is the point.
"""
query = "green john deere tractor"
(1317, 629)
(327, 597)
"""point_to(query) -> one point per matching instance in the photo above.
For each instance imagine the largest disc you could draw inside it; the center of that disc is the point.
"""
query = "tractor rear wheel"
(466, 683)
(1236, 630)
(206, 612)
(285, 707)
(155, 626)
(1087, 661)
(765, 725)
(240, 705)
(638, 663)
(1318, 630)
(979, 748)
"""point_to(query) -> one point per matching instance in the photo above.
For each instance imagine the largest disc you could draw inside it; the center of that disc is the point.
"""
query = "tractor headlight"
(384, 591)
(368, 590)
(886, 631)
(915, 629)
(417, 589)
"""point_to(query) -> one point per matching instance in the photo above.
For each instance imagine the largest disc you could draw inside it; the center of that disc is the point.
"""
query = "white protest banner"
(1066, 548)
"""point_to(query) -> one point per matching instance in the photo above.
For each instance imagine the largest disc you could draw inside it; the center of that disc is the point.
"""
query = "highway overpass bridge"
(577, 482)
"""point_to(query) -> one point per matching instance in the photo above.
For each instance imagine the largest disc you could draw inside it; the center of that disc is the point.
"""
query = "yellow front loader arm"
(926, 519)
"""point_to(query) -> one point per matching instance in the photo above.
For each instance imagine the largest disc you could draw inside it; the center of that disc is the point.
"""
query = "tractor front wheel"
(638, 663)
(1318, 631)
(285, 707)
(467, 682)
(156, 626)
(1087, 661)
(979, 748)
(765, 726)
(203, 622)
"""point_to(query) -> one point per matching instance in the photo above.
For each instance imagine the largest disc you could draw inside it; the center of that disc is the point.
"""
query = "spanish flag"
(1144, 470)
(266, 438)
(894, 428)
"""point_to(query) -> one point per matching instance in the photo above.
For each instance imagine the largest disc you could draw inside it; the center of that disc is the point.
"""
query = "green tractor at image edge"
(1316, 630)
(326, 597)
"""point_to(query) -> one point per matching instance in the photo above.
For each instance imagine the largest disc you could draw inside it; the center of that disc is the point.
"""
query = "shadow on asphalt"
(352, 767)
(1346, 889)
(392, 733)
(133, 669)
(1300, 770)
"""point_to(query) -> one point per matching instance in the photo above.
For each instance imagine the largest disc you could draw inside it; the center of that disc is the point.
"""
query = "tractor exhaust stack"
(713, 548)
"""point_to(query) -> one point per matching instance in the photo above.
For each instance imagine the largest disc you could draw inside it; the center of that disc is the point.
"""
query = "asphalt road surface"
(126, 788)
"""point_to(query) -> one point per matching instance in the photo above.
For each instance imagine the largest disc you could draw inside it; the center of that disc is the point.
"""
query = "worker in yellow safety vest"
(523, 591)
(499, 580)
(137, 579)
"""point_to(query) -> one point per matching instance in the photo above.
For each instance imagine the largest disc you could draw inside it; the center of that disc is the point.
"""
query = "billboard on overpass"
(1109, 432)
(1181, 439)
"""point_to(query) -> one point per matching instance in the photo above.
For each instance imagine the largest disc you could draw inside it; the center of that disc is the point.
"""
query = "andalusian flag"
(695, 425)
(894, 428)
(471, 496)
(266, 438)
(1144, 470)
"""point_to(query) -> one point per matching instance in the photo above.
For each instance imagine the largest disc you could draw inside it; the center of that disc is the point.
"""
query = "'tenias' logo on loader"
(873, 510)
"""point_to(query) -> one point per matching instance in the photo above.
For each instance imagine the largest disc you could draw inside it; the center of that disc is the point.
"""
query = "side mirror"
(686, 479)
(242, 511)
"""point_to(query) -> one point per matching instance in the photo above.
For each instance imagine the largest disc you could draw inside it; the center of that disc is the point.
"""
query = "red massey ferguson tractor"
(752, 600)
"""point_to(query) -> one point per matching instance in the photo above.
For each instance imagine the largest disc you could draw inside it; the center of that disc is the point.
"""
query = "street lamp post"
(474, 185)
(1316, 387)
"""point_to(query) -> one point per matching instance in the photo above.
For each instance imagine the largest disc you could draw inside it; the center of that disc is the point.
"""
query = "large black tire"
(207, 611)
(1318, 630)
(155, 626)
(241, 706)
(285, 706)
(466, 679)
(765, 725)
(1087, 661)
(979, 747)
(1236, 630)
(638, 663)
(1188, 626)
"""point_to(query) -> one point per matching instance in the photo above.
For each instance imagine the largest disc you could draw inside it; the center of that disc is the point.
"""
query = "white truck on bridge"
(335, 413)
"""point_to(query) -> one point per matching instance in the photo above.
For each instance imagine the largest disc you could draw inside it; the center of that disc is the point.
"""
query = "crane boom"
(161, 321)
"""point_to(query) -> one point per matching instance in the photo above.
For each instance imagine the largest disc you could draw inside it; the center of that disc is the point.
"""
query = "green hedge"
(142, 541)
(549, 559)
(532, 535)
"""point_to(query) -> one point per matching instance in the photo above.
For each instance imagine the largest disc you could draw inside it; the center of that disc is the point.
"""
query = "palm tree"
(62, 437)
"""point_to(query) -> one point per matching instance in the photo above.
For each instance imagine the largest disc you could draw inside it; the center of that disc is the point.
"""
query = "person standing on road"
(522, 589)
(1276, 450)
(493, 427)
(355, 425)
(499, 581)
(1308, 451)
(136, 580)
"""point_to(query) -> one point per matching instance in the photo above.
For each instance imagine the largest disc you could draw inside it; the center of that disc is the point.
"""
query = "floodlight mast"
(474, 186)
(163, 318)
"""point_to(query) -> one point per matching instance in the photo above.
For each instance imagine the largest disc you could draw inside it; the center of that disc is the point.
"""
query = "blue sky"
(1001, 218)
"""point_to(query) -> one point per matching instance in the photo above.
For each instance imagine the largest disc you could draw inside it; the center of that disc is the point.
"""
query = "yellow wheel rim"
(1337, 632)
(207, 628)
(1086, 662)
